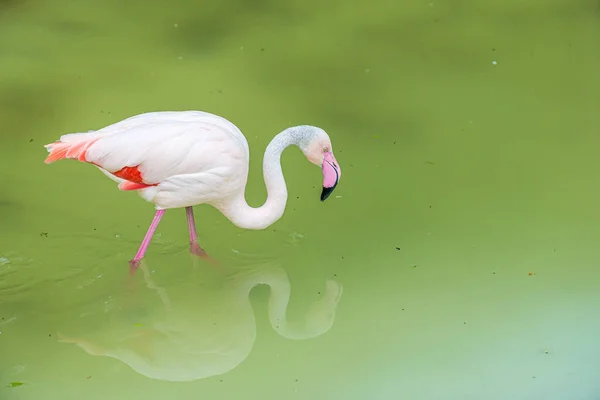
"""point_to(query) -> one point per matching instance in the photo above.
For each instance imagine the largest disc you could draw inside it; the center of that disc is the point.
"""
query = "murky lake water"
(457, 259)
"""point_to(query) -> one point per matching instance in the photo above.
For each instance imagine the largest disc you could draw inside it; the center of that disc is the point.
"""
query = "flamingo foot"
(198, 251)
(133, 266)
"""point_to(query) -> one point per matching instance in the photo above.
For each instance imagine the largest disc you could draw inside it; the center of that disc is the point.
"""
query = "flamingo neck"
(237, 209)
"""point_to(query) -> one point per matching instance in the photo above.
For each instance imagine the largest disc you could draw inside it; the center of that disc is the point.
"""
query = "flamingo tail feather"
(74, 149)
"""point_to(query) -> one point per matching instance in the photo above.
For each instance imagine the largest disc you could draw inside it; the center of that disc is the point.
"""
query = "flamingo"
(177, 159)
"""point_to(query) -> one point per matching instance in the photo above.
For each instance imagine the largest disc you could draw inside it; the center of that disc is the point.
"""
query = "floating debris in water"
(175, 25)
(15, 384)
(7, 321)
(294, 238)
(338, 197)
(4, 261)
(118, 235)
(494, 62)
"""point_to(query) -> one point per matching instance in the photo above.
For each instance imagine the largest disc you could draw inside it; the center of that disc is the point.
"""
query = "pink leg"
(189, 212)
(194, 246)
(146, 242)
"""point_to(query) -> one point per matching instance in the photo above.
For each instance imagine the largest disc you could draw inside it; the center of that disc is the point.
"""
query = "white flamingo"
(180, 159)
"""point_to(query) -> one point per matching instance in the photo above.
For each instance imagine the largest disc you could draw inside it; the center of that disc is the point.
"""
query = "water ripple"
(15, 274)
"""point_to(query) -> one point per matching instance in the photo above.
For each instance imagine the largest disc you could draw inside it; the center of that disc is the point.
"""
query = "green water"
(457, 259)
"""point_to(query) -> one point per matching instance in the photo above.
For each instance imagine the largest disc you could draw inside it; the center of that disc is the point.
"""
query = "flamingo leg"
(194, 246)
(189, 213)
(146, 242)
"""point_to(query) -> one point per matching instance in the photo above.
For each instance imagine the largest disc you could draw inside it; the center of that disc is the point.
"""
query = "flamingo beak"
(331, 175)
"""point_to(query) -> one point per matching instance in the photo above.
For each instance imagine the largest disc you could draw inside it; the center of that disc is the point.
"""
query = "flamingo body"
(182, 158)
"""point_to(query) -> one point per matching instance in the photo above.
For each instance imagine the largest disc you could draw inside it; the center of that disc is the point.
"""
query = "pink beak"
(331, 175)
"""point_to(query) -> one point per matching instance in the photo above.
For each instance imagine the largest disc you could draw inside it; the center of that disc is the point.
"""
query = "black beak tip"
(326, 192)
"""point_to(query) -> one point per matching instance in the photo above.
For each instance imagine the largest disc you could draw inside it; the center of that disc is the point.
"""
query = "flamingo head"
(318, 150)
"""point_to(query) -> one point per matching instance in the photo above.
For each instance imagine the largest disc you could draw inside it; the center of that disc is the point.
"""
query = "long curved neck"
(237, 209)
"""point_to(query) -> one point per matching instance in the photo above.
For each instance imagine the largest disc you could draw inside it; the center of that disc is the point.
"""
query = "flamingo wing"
(144, 150)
